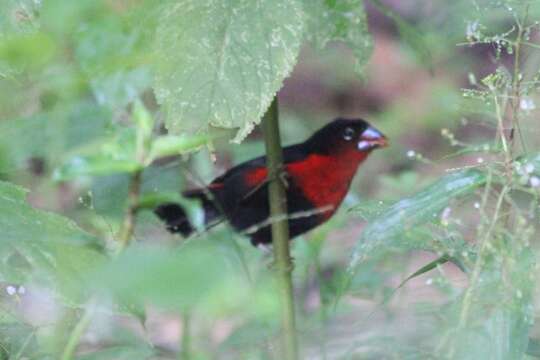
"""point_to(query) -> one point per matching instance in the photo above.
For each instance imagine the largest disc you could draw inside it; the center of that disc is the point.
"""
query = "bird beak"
(371, 139)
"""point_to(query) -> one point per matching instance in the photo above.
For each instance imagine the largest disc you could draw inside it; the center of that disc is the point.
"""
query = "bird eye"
(348, 134)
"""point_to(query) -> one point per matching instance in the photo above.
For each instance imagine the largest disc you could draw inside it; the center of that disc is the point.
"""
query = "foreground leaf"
(223, 62)
(41, 246)
(340, 20)
(392, 227)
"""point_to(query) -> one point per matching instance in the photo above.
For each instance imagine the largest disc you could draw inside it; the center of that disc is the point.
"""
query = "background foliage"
(109, 107)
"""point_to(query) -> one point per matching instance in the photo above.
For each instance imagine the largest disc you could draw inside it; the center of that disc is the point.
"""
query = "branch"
(280, 230)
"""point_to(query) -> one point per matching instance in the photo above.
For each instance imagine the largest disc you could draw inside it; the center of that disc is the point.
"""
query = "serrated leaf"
(339, 20)
(221, 63)
(54, 249)
(391, 228)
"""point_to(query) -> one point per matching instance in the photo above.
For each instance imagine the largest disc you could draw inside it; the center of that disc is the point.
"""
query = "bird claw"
(289, 268)
(281, 175)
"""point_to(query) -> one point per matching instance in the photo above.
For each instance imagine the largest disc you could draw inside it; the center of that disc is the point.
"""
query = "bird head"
(353, 136)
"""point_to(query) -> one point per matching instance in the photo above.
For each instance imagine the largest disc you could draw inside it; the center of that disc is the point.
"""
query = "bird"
(317, 175)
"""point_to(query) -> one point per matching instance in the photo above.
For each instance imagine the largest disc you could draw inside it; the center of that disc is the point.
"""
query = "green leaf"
(143, 119)
(51, 136)
(221, 63)
(339, 20)
(533, 347)
(111, 55)
(392, 228)
(409, 34)
(183, 277)
(27, 51)
(175, 145)
(117, 155)
(47, 246)
(17, 340)
(121, 352)
(96, 165)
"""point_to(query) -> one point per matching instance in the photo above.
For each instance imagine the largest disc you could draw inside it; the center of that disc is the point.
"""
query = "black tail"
(175, 216)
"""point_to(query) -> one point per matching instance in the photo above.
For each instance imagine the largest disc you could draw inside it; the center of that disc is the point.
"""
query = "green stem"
(185, 341)
(133, 204)
(76, 335)
(280, 230)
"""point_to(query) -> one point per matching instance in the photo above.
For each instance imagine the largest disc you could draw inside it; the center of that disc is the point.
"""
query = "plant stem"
(76, 334)
(128, 227)
(185, 341)
(280, 230)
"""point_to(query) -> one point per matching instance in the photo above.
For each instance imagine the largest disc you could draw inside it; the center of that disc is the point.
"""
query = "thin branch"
(128, 227)
(280, 231)
(76, 334)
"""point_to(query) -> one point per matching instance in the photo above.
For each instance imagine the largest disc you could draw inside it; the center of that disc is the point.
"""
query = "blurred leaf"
(120, 352)
(18, 16)
(409, 34)
(199, 276)
(168, 145)
(94, 166)
(533, 347)
(341, 20)
(369, 209)
(26, 51)
(17, 340)
(179, 278)
(64, 18)
(144, 120)
(109, 193)
(112, 55)
(52, 247)
(51, 135)
(221, 63)
(120, 344)
(117, 155)
(499, 309)
(250, 334)
(391, 227)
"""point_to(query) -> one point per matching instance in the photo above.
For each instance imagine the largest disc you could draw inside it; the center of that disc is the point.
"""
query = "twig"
(128, 227)
(76, 334)
(280, 231)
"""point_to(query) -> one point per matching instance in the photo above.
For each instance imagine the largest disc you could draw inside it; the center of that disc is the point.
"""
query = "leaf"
(51, 135)
(96, 165)
(121, 352)
(51, 249)
(499, 308)
(175, 145)
(117, 155)
(339, 20)
(221, 63)
(111, 56)
(409, 33)
(17, 340)
(26, 51)
(393, 226)
(183, 277)
(144, 121)
(533, 347)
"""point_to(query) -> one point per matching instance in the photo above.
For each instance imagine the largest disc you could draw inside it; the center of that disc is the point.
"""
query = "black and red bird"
(317, 173)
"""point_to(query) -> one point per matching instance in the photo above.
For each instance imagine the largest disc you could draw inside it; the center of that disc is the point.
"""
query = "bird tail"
(176, 219)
